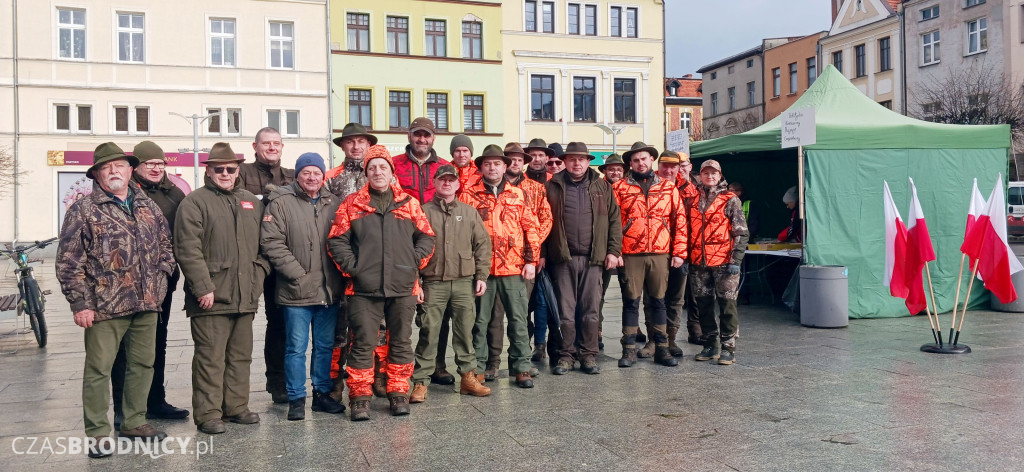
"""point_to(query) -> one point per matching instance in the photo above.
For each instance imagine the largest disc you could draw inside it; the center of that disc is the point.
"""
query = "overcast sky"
(699, 32)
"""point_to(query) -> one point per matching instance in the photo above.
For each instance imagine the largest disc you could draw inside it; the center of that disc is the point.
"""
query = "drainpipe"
(17, 128)
(330, 87)
(661, 86)
(903, 56)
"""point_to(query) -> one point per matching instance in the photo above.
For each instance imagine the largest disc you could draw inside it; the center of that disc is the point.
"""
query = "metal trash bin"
(1016, 306)
(824, 296)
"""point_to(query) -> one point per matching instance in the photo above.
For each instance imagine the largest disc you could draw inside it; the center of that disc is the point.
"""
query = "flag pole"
(956, 301)
(963, 312)
(935, 308)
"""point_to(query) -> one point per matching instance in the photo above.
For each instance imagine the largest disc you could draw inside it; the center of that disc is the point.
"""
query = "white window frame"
(210, 35)
(937, 10)
(973, 3)
(270, 43)
(610, 23)
(132, 118)
(72, 27)
(982, 33)
(222, 119)
(72, 116)
(934, 45)
(622, 19)
(117, 30)
(282, 125)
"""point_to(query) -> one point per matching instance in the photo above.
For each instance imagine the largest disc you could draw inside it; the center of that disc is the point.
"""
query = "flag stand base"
(946, 349)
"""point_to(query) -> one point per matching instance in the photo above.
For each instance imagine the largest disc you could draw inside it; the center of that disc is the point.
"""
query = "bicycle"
(33, 300)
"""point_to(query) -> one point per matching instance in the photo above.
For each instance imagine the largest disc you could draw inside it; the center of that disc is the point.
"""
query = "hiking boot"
(673, 348)
(491, 372)
(326, 403)
(563, 367)
(360, 408)
(589, 366)
(727, 357)
(663, 357)
(442, 377)
(471, 385)
(249, 417)
(647, 350)
(523, 380)
(534, 372)
(539, 352)
(166, 411)
(277, 393)
(144, 431)
(628, 357)
(297, 409)
(712, 351)
(380, 386)
(399, 405)
(338, 391)
(103, 447)
(419, 394)
(214, 426)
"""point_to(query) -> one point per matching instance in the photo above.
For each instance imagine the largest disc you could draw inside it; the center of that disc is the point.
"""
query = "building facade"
(789, 70)
(684, 105)
(569, 66)
(91, 72)
(398, 60)
(864, 44)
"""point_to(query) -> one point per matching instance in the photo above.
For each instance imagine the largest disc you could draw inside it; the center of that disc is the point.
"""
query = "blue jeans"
(297, 321)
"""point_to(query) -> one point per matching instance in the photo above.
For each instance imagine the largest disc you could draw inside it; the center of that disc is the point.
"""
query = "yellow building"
(397, 60)
(570, 66)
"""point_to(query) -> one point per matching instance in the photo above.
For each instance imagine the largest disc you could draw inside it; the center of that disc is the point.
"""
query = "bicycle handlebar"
(29, 247)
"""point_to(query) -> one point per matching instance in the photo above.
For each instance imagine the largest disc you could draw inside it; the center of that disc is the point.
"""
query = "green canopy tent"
(859, 144)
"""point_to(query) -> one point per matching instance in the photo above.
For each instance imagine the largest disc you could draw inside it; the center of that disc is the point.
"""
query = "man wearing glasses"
(216, 242)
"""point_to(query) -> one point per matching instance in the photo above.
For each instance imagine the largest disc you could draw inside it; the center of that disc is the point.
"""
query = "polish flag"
(996, 261)
(919, 251)
(972, 238)
(895, 248)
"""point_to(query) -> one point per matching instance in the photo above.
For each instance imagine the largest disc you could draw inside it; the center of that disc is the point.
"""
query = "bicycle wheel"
(34, 307)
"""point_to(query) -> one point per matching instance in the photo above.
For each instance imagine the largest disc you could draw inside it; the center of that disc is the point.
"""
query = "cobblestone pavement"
(856, 398)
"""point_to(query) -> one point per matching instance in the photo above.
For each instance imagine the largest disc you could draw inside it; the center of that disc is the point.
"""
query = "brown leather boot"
(419, 394)
(471, 385)
(647, 350)
(673, 348)
(338, 390)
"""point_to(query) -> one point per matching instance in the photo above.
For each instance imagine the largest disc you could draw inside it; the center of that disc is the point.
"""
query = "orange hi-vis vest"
(648, 221)
(711, 238)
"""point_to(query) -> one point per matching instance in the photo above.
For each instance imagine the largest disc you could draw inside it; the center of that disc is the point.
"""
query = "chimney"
(836, 4)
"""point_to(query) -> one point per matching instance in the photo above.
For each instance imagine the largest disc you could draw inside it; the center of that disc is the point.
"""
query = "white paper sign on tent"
(798, 128)
(678, 141)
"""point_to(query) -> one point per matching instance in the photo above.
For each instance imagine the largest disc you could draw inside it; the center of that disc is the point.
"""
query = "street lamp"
(196, 120)
(614, 131)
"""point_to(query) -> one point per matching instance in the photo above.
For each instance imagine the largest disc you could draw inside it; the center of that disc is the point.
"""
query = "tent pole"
(800, 201)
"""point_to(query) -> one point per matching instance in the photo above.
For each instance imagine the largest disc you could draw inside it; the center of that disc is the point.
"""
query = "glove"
(734, 269)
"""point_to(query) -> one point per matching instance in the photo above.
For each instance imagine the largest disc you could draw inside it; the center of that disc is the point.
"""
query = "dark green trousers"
(456, 295)
(220, 365)
(101, 343)
(511, 289)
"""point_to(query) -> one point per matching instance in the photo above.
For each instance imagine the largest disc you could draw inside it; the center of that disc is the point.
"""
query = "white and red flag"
(972, 237)
(919, 251)
(895, 248)
(996, 261)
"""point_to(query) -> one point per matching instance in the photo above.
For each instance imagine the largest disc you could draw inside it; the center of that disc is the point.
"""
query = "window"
(398, 35)
(732, 98)
(625, 100)
(290, 126)
(714, 75)
(437, 110)
(1015, 196)
(584, 99)
(233, 120)
(837, 60)
(222, 42)
(436, 33)
(84, 118)
(574, 18)
(714, 103)
(859, 52)
(473, 113)
(731, 69)
(930, 48)
(228, 122)
(930, 110)
(123, 122)
(792, 78)
(130, 37)
(684, 120)
(213, 124)
(358, 31)
(542, 97)
(776, 82)
(472, 37)
(70, 33)
(547, 17)
(63, 117)
(812, 70)
(884, 55)
(615, 21)
(530, 16)
(360, 107)
(750, 63)
(977, 35)
(930, 13)
(282, 42)
(886, 103)
(751, 97)
(398, 110)
(590, 20)
(631, 26)
(971, 3)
